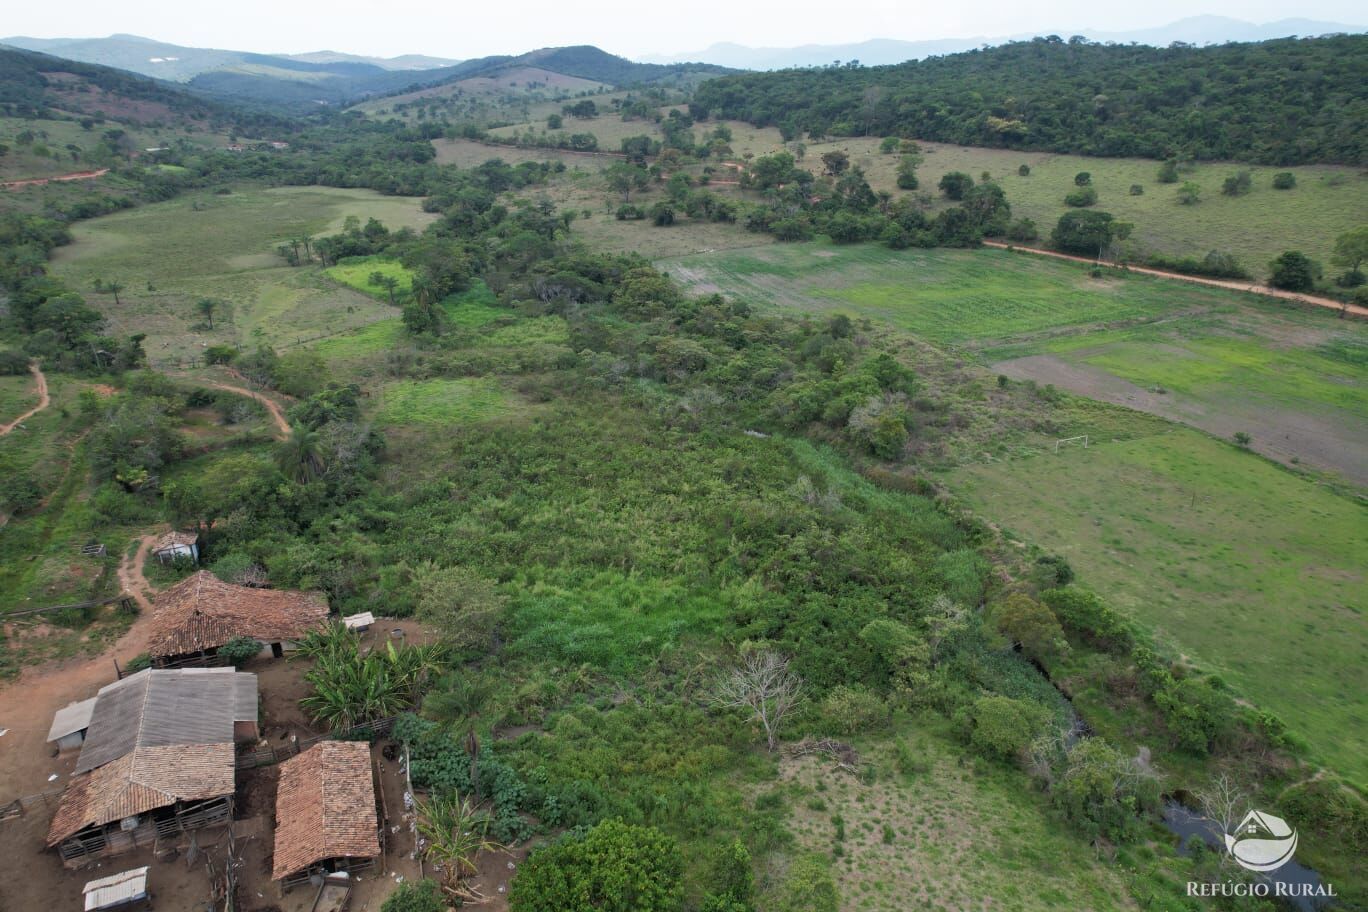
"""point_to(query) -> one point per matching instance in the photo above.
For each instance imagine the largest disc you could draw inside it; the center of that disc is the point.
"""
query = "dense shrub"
(613, 867)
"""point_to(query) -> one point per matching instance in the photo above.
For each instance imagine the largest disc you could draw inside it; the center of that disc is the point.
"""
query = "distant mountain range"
(1197, 30)
(178, 63)
(331, 78)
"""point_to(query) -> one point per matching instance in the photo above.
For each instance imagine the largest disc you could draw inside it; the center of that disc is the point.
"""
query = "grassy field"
(444, 402)
(1145, 514)
(941, 837)
(57, 138)
(1327, 200)
(170, 255)
(1230, 559)
(357, 271)
(958, 297)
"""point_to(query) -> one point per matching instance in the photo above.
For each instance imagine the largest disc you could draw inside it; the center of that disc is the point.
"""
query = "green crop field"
(949, 296)
(170, 255)
(1230, 559)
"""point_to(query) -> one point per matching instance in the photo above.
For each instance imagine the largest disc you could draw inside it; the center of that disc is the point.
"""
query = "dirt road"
(277, 414)
(131, 579)
(1233, 285)
(39, 181)
(43, 400)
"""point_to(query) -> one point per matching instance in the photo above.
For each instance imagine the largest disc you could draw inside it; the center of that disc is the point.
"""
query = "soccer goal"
(1067, 440)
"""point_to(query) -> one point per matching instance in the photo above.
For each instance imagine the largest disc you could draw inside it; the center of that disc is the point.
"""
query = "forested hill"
(35, 85)
(1277, 102)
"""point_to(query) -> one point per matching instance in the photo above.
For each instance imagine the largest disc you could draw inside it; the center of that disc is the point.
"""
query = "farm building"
(70, 723)
(193, 618)
(325, 813)
(174, 545)
(158, 759)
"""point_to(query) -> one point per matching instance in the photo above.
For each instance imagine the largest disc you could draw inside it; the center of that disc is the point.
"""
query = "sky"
(444, 28)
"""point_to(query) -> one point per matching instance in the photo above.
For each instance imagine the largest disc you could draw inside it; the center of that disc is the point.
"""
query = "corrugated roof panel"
(108, 892)
(71, 718)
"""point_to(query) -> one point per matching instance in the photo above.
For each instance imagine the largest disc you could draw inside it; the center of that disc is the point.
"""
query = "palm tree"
(206, 306)
(300, 456)
(114, 288)
(455, 832)
(463, 699)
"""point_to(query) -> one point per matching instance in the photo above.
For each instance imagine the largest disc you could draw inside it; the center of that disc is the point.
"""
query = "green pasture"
(356, 273)
(170, 255)
(948, 296)
(1231, 560)
(441, 401)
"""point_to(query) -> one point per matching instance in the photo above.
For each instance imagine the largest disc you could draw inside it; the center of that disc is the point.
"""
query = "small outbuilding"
(359, 622)
(176, 545)
(325, 813)
(125, 890)
(70, 724)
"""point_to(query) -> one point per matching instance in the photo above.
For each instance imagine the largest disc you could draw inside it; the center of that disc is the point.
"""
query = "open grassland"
(1230, 559)
(935, 834)
(356, 273)
(1296, 381)
(170, 255)
(947, 296)
(444, 402)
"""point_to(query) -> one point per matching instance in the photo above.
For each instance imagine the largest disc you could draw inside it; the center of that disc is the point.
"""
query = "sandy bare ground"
(1251, 287)
(39, 181)
(43, 400)
(1313, 440)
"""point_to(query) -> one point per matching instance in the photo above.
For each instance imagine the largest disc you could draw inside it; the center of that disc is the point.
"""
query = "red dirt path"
(39, 181)
(43, 400)
(1251, 287)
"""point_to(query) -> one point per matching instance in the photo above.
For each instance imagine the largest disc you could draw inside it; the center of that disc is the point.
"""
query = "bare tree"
(1223, 803)
(763, 685)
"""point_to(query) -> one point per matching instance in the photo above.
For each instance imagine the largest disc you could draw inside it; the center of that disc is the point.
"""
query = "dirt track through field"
(43, 400)
(1251, 287)
(39, 181)
(131, 578)
(277, 415)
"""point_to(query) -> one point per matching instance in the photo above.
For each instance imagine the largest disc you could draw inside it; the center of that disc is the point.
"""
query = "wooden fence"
(269, 756)
(20, 806)
(123, 599)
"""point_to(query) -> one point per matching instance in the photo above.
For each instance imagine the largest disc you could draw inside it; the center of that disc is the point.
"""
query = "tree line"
(1277, 102)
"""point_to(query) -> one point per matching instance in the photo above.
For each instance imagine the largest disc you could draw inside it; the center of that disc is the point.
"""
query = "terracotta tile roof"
(141, 781)
(159, 707)
(203, 612)
(155, 738)
(325, 807)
